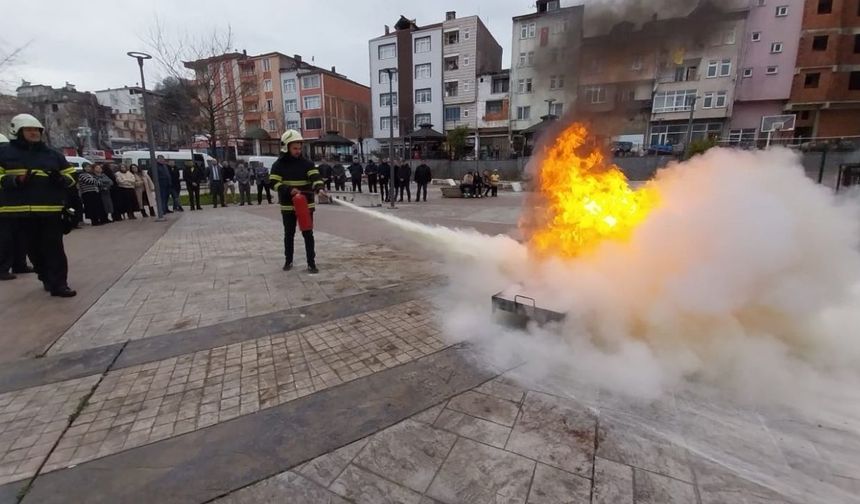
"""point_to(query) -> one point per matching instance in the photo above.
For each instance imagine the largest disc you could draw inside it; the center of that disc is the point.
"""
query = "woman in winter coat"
(125, 181)
(88, 182)
(138, 189)
(105, 184)
(114, 207)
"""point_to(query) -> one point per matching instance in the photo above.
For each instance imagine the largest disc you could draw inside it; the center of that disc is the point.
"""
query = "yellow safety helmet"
(289, 137)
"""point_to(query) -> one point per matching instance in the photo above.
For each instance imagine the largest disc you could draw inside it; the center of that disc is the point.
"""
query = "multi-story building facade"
(769, 48)
(73, 120)
(128, 124)
(544, 62)
(494, 103)
(825, 93)
(468, 50)
(437, 68)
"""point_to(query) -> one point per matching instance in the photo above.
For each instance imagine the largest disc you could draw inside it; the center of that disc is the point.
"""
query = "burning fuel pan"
(518, 310)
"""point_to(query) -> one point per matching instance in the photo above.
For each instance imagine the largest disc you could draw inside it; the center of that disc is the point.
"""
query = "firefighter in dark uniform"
(292, 174)
(13, 248)
(33, 184)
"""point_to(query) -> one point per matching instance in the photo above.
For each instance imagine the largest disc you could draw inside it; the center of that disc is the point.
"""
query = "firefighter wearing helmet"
(296, 180)
(34, 180)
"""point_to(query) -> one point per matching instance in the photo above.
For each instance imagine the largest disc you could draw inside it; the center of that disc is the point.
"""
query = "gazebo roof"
(426, 132)
(332, 138)
(546, 121)
(256, 133)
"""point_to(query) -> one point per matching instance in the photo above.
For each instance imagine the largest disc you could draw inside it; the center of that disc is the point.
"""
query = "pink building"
(767, 59)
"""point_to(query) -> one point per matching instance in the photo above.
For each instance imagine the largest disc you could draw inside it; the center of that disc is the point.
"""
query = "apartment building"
(825, 92)
(128, 124)
(493, 133)
(545, 59)
(769, 49)
(435, 74)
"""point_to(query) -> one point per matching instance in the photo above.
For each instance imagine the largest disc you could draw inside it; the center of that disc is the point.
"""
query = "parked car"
(621, 149)
(78, 162)
(662, 149)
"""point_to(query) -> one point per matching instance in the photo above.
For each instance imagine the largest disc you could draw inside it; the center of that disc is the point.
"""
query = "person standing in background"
(193, 175)
(114, 207)
(90, 193)
(105, 185)
(216, 184)
(339, 174)
(139, 187)
(372, 171)
(125, 190)
(355, 172)
(243, 178)
(229, 183)
(495, 178)
(404, 173)
(261, 178)
(423, 176)
(163, 175)
(384, 178)
(325, 173)
(175, 187)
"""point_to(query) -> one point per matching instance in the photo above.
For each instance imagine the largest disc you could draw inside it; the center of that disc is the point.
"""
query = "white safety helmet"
(3, 139)
(289, 137)
(24, 121)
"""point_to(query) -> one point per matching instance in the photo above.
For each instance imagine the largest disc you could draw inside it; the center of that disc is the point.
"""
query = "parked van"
(182, 158)
(255, 161)
(78, 162)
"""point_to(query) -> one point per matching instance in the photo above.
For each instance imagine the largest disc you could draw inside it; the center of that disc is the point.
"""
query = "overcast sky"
(85, 42)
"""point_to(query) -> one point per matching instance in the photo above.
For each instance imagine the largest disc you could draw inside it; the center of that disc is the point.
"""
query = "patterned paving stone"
(484, 406)
(650, 488)
(552, 486)
(363, 487)
(473, 428)
(285, 487)
(613, 482)
(146, 403)
(324, 469)
(214, 267)
(31, 422)
(408, 453)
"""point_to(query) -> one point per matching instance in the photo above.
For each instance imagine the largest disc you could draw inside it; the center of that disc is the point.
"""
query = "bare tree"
(198, 62)
(9, 57)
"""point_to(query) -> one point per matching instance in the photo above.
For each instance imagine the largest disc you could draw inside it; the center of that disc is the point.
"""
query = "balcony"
(252, 116)
(248, 77)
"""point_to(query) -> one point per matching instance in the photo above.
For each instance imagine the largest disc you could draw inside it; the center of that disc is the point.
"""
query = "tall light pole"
(140, 56)
(390, 72)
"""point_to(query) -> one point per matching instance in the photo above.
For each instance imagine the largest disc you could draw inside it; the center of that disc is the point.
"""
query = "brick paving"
(31, 422)
(213, 267)
(146, 403)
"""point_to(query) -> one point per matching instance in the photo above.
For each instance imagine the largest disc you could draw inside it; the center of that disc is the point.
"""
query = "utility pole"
(688, 147)
(390, 72)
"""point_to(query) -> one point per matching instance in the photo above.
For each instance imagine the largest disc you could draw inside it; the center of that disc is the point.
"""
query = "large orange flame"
(588, 200)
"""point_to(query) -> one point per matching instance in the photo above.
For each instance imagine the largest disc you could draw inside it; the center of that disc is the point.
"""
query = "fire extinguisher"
(303, 212)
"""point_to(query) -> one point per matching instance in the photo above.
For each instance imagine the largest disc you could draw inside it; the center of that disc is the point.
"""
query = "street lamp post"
(390, 72)
(140, 56)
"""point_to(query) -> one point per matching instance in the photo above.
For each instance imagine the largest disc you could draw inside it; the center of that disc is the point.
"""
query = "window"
(252, 107)
(556, 109)
(451, 89)
(527, 58)
(721, 99)
(387, 123)
(465, 61)
(271, 122)
(556, 82)
(267, 85)
(501, 85)
(524, 86)
(673, 101)
(422, 45)
(266, 67)
(424, 95)
(756, 36)
(637, 63)
(386, 99)
(270, 106)
(291, 105)
(313, 123)
(819, 43)
(452, 37)
(528, 30)
(772, 70)
(421, 119)
(387, 51)
(595, 94)
(495, 107)
(713, 69)
(452, 114)
(825, 6)
(465, 112)
(311, 102)
(310, 81)
(522, 59)
(466, 34)
(747, 73)
(290, 86)
(811, 80)
(293, 125)
(452, 63)
(383, 76)
(684, 74)
(422, 71)
(742, 136)
(725, 68)
(856, 43)
(854, 81)
(782, 11)
(466, 86)
(729, 37)
(776, 47)
(523, 113)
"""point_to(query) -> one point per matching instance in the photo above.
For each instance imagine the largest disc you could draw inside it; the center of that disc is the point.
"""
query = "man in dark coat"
(339, 174)
(423, 176)
(404, 173)
(371, 170)
(355, 172)
(384, 177)
(325, 174)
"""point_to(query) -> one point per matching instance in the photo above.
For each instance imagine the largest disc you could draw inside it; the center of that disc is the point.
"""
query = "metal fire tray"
(519, 309)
